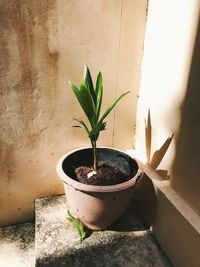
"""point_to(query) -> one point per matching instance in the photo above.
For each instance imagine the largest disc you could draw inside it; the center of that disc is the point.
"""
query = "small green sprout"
(77, 224)
(90, 99)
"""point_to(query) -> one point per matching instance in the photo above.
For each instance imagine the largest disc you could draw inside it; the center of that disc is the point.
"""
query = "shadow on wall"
(145, 199)
(186, 173)
(144, 195)
(185, 176)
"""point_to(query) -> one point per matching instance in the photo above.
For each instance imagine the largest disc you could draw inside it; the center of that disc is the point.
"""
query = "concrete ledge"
(57, 243)
(176, 225)
(17, 248)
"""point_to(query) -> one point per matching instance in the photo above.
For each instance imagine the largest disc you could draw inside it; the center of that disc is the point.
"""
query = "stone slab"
(17, 248)
(128, 243)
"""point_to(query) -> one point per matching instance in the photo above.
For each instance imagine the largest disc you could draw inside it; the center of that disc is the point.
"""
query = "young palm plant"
(90, 99)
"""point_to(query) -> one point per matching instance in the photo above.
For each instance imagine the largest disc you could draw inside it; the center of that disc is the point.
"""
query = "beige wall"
(43, 45)
(186, 174)
(170, 88)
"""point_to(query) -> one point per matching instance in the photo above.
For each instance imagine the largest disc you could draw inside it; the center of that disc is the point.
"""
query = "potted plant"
(98, 181)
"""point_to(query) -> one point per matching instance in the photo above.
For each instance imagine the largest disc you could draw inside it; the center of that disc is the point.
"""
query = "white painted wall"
(169, 41)
(170, 88)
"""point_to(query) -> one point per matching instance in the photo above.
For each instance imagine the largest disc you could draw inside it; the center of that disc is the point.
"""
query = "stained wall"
(43, 45)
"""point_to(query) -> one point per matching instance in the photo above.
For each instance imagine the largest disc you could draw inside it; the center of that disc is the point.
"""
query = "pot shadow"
(88, 232)
(145, 200)
(141, 212)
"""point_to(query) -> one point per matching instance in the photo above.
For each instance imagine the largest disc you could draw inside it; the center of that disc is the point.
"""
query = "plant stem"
(94, 148)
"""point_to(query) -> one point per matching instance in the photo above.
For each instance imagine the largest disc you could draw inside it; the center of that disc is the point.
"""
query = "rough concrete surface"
(128, 243)
(17, 246)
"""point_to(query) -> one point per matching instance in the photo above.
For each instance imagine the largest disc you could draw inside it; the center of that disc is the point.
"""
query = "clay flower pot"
(97, 206)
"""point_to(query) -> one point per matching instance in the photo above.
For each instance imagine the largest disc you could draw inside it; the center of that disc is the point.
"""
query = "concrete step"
(128, 243)
(17, 245)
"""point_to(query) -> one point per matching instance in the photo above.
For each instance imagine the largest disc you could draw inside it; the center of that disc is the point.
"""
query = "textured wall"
(43, 45)
(186, 177)
(171, 90)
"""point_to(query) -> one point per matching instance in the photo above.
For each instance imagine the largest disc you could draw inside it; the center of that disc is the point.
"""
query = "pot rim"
(94, 188)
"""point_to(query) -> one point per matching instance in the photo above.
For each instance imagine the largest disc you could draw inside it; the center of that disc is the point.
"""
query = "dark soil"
(106, 175)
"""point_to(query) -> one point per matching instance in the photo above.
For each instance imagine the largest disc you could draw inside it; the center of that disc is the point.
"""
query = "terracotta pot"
(97, 206)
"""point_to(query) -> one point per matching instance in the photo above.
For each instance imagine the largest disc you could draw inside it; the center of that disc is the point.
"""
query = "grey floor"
(17, 245)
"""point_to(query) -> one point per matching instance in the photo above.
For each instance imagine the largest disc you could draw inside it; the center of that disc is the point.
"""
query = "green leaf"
(76, 92)
(83, 125)
(80, 230)
(89, 84)
(77, 224)
(112, 106)
(99, 93)
(70, 216)
(85, 101)
(91, 101)
(94, 134)
(87, 104)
